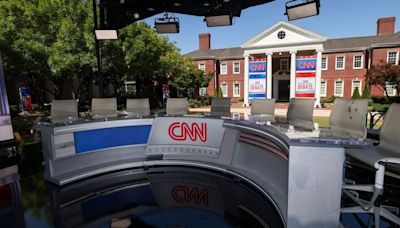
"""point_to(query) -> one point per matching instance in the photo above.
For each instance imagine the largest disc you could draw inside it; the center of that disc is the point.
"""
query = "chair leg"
(377, 216)
(390, 216)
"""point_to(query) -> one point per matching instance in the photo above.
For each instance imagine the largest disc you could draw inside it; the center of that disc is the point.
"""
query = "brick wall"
(347, 75)
(230, 78)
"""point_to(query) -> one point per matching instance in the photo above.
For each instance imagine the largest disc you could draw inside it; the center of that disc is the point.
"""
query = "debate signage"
(305, 76)
(6, 131)
(257, 78)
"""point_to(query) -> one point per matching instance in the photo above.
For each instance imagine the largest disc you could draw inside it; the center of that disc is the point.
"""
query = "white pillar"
(246, 80)
(318, 79)
(292, 74)
(269, 75)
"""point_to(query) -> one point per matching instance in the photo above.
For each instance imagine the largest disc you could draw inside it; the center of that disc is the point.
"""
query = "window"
(203, 91)
(224, 68)
(224, 89)
(339, 88)
(390, 89)
(392, 57)
(202, 66)
(322, 92)
(357, 62)
(236, 89)
(236, 68)
(324, 63)
(340, 62)
(354, 84)
(281, 34)
(284, 64)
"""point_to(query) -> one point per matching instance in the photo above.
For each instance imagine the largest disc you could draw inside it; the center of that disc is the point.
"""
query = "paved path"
(280, 110)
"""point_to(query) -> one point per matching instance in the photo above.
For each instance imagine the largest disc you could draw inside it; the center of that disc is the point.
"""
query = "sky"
(337, 18)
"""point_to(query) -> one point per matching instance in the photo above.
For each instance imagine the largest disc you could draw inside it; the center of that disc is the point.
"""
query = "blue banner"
(306, 64)
(258, 67)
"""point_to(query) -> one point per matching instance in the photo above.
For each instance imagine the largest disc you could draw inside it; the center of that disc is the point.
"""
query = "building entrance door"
(283, 90)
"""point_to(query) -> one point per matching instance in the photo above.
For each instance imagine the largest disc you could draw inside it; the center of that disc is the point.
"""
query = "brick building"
(340, 64)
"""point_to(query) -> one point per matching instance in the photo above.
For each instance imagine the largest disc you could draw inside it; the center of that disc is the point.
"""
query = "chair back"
(61, 110)
(263, 106)
(177, 106)
(139, 106)
(390, 131)
(221, 106)
(104, 107)
(300, 112)
(348, 117)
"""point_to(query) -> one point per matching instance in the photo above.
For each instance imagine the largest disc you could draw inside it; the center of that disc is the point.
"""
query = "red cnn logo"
(306, 65)
(257, 67)
(183, 194)
(180, 130)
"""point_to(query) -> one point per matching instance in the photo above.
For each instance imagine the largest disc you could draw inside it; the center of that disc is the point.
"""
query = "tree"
(366, 93)
(383, 76)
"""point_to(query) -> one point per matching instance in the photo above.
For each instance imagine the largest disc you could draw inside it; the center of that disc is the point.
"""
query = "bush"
(379, 107)
(241, 99)
(385, 99)
(367, 91)
(331, 99)
(200, 101)
(356, 94)
(217, 93)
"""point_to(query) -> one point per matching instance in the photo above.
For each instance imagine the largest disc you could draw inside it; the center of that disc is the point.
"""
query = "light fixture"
(167, 24)
(221, 20)
(297, 9)
(106, 34)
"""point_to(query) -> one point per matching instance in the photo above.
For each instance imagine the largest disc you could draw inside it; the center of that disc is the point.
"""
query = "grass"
(324, 122)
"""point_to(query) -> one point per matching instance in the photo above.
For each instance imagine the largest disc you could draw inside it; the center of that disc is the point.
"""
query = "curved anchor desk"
(299, 171)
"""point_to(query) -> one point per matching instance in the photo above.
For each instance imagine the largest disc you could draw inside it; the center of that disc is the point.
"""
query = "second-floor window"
(340, 62)
(393, 57)
(324, 63)
(357, 62)
(284, 64)
(224, 68)
(202, 66)
(236, 68)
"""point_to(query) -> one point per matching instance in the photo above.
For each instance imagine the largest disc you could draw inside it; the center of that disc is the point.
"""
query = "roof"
(361, 43)
(330, 45)
(223, 53)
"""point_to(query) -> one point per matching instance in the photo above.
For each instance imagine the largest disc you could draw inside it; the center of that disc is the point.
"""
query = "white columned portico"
(318, 79)
(292, 74)
(269, 75)
(246, 80)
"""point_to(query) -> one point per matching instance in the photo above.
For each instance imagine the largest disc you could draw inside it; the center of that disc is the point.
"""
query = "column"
(246, 80)
(318, 79)
(269, 75)
(293, 74)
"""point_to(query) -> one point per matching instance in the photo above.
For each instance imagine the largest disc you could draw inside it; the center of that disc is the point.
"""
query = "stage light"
(106, 34)
(297, 9)
(221, 20)
(167, 24)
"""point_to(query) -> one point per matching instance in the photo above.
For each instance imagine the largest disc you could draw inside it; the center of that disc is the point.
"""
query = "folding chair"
(347, 118)
(177, 106)
(138, 107)
(385, 159)
(104, 107)
(263, 110)
(221, 106)
(300, 113)
(63, 110)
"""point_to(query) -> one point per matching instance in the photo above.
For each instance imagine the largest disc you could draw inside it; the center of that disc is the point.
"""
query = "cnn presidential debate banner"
(6, 131)
(257, 78)
(305, 75)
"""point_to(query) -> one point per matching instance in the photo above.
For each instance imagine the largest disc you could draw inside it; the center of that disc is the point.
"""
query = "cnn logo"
(184, 194)
(180, 131)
